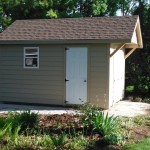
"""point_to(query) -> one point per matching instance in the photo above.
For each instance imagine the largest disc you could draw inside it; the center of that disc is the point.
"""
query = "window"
(31, 57)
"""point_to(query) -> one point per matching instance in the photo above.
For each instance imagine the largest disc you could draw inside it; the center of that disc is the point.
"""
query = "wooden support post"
(118, 48)
(129, 53)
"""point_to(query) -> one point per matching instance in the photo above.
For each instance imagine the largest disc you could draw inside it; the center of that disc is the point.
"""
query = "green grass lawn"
(141, 145)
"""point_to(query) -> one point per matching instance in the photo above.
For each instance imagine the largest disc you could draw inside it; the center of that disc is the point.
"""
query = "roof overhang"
(87, 41)
(136, 41)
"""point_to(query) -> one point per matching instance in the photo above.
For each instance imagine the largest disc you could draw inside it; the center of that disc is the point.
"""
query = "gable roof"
(119, 28)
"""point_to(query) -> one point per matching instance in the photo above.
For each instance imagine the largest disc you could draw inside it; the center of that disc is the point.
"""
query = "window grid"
(31, 61)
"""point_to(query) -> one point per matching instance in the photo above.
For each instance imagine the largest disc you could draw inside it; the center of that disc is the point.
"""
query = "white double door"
(76, 75)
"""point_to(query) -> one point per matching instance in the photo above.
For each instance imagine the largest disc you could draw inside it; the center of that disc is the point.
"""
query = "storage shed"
(67, 61)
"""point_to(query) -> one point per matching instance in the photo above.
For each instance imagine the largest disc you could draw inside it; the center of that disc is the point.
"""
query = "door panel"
(76, 73)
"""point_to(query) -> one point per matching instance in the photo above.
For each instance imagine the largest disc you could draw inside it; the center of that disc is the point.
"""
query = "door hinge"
(66, 48)
(66, 101)
(66, 80)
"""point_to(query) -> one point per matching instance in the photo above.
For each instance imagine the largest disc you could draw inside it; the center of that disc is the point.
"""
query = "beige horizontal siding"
(38, 85)
(27, 77)
(43, 68)
(31, 96)
(32, 91)
(98, 74)
(31, 86)
(100, 69)
(32, 100)
(45, 59)
(33, 72)
(18, 63)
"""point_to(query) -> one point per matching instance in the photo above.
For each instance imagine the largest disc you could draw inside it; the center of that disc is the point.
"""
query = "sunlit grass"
(141, 145)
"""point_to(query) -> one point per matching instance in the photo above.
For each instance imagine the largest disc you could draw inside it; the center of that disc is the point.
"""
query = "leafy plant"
(86, 113)
(128, 123)
(113, 138)
(140, 120)
(104, 124)
(77, 142)
(22, 142)
(46, 141)
(8, 130)
(58, 141)
(28, 119)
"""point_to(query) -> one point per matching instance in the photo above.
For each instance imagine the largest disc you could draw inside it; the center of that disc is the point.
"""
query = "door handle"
(84, 80)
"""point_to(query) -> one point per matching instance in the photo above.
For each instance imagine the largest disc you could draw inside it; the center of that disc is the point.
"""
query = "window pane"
(31, 57)
(31, 52)
(31, 62)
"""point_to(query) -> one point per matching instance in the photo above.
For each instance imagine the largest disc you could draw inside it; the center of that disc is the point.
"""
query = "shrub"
(113, 138)
(27, 119)
(87, 112)
(104, 124)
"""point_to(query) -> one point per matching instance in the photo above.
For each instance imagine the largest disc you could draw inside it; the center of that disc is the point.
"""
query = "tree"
(91, 8)
(12, 10)
(138, 64)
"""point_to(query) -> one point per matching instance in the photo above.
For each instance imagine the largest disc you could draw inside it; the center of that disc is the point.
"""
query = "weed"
(104, 124)
(128, 123)
(140, 120)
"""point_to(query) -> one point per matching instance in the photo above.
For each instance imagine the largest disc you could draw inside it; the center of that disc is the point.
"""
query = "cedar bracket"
(117, 49)
(129, 53)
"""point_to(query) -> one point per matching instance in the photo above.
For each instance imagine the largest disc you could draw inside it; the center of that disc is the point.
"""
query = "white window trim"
(24, 54)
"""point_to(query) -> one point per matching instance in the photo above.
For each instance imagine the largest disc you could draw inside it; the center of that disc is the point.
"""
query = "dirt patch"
(56, 122)
(49, 121)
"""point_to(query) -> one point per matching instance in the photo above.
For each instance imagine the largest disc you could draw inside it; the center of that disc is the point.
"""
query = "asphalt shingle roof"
(119, 27)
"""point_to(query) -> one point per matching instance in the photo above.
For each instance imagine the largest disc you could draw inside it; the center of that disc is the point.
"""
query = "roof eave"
(80, 41)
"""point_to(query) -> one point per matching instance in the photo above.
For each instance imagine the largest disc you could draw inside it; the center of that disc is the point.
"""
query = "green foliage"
(8, 130)
(28, 120)
(22, 142)
(127, 123)
(129, 88)
(140, 120)
(92, 118)
(58, 141)
(78, 142)
(45, 141)
(141, 145)
(85, 114)
(113, 138)
(2, 122)
(105, 125)
(137, 65)
(43, 9)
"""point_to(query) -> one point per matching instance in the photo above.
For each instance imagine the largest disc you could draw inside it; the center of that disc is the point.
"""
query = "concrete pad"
(129, 109)
(40, 109)
(122, 108)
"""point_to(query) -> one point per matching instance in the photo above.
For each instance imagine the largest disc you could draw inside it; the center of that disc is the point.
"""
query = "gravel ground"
(122, 108)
